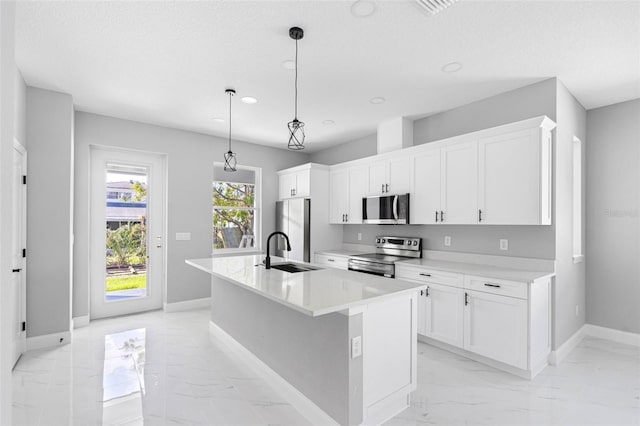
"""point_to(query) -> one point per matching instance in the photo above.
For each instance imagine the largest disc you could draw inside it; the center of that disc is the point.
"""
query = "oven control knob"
(383, 241)
(415, 243)
(408, 242)
(377, 240)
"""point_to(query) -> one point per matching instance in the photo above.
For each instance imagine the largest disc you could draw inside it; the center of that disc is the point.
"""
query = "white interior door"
(18, 244)
(127, 210)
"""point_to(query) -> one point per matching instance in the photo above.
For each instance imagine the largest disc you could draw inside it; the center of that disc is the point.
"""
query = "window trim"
(257, 248)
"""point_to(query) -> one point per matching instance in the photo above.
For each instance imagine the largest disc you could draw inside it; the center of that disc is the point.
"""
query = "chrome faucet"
(267, 260)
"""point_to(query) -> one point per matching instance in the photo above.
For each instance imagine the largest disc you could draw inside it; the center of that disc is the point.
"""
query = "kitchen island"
(344, 340)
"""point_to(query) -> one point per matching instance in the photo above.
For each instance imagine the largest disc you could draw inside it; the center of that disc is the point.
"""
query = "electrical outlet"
(504, 244)
(447, 241)
(359, 236)
(356, 347)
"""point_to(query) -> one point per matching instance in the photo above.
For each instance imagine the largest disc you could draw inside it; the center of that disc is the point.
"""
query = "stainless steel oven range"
(388, 251)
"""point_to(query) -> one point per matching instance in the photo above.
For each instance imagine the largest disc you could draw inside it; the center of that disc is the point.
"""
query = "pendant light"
(296, 127)
(230, 161)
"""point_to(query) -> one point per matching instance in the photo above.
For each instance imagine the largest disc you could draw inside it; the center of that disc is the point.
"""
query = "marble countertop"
(313, 293)
(489, 271)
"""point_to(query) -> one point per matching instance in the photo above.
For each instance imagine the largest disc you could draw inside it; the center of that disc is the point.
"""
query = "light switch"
(447, 241)
(183, 236)
(356, 347)
(504, 244)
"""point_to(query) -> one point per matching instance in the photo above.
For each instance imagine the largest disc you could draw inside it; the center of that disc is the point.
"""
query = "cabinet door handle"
(479, 215)
(425, 275)
(466, 299)
(343, 217)
(16, 270)
(386, 187)
(421, 292)
(331, 260)
(492, 285)
(346, 217)
(382, 188)
(436, 216)
(427, 293)
(441, 216)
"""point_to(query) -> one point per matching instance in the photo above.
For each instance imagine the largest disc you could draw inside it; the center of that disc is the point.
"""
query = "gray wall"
(524, 241)
(190, 158)
(310, 353)
(570, 286)
(613, 213)
(357, 148)
(49, 211)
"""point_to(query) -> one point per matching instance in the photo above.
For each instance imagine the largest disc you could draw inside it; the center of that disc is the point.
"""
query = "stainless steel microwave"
(386, 209)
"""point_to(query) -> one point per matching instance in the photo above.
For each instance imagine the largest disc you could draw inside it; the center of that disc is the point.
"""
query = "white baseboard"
(557, 356)
(293, 396)
(187, 305)
(82, 321)
(618, 336)
(48, 340)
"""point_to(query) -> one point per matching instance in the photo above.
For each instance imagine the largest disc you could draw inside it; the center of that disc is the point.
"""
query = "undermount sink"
(293, 267)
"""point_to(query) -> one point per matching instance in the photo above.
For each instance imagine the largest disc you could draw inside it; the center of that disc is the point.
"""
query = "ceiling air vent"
(435, 6)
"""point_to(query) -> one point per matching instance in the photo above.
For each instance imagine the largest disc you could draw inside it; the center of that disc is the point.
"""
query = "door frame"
(112, 154)
(17, 146)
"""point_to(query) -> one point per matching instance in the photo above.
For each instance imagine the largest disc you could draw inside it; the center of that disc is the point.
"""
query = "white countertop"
(313, 293)
(489, 271)
(340, 252)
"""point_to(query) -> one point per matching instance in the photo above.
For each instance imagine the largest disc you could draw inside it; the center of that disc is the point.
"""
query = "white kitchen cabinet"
(496, 327)
(444, 185)
(332, 260)
(390, 176)
(515, 178)
(348, 186)
(459, 183)
(294, 184)
(444, 314)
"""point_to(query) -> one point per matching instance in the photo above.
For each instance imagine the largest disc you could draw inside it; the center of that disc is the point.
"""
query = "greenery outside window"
(236, 209)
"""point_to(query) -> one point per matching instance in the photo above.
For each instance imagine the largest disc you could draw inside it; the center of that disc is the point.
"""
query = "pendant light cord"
(295, 115)
(230, 95)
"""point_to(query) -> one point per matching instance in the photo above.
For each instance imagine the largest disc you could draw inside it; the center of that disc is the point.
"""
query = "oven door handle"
(395, 207)
(364, 266)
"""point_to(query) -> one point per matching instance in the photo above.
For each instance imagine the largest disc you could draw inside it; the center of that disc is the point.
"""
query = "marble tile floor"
(162, 368)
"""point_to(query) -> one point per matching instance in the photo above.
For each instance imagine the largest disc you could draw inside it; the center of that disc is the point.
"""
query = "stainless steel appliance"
(386, 209)
(388, 251)
(293, 218)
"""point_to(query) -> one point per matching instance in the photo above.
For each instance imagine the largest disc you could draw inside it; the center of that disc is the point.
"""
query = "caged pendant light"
(296, 127)
(230, 161)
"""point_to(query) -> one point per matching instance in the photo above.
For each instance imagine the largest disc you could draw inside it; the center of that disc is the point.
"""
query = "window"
(577, 200)
(236, 208)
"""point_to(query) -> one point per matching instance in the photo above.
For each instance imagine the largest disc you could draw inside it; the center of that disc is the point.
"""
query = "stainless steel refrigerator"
(293, 217)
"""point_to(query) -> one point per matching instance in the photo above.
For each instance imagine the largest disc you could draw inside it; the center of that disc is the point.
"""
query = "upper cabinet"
(348, 186)
(293, 183)
(515, 178)
(500, 175)
(390, 176)
(444, 185)
(308, 180)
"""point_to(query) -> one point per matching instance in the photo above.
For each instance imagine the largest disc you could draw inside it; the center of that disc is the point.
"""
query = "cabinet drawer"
(497, 286)
(332, 261)
(428, 275)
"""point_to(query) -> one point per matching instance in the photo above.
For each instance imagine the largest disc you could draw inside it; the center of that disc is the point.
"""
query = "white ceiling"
(169, 62)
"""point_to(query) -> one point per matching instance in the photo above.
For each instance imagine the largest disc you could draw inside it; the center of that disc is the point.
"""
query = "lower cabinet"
(496, 327)
(500, 320)
(332, 260)
(442, 313)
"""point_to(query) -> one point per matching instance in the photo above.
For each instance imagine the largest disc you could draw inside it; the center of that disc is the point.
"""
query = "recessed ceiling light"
(452, 67)
(328, 122)
(249, 100)
(218, 120)
(289, 64)
(377, 100)
(363, 8)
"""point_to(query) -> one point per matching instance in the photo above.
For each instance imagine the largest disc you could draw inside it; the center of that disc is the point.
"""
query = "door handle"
(492, 285)
(382, 190)
(346, 217)
(436, 216)
(441, 216)
(425, 275)
(158, 246)
(16, 270)
(386, 187)
(466, 299)
(479, 215)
